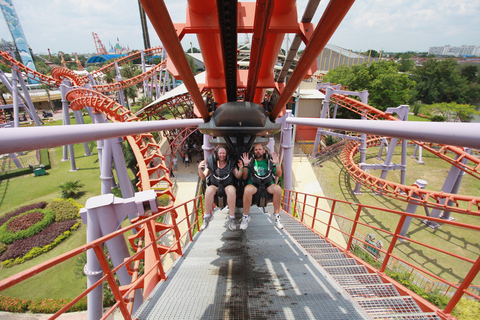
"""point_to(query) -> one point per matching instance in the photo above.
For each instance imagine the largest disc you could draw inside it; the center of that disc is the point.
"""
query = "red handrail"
(123, 294)
(293, 204)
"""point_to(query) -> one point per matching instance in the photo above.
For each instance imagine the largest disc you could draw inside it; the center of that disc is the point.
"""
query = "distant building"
(463, 51)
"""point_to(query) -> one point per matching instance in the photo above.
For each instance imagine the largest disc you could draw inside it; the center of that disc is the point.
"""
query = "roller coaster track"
(144, 146)
(59, 73)
(132, 81)
(124, 60)
(6, 59)
(470, 205)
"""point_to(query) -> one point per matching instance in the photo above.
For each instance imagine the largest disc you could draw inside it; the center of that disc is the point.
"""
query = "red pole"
(161, 21)
(465, 284)
(354, 227)
(333, 15)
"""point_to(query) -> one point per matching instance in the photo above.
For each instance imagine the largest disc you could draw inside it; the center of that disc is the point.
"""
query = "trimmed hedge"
(44, 159)
(8, 237)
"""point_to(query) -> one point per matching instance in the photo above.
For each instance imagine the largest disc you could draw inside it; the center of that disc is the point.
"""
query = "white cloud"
(392, 25)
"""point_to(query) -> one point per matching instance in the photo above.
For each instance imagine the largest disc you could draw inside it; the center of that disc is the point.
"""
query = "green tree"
(192, 50)
(453, 112)
(439, 81)
(406, 65)
(192, 65)
(372, 53)
(470, 73)
(386, 86)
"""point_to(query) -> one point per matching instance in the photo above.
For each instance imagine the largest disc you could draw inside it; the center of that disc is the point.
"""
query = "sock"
(277, 215)
(207, 216)
(246, 216)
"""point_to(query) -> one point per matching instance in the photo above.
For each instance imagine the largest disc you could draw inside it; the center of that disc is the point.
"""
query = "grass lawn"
(453, 239)
(58, 282)
(412, 117)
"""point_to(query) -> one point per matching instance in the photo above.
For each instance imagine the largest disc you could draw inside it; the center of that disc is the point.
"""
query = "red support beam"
(333, 15)
(158, 14)
(263, 15)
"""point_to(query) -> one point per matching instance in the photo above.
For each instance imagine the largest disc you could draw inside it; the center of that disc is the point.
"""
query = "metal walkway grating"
(372, 291)
(259, 273)
(380, 300)
(389, 305)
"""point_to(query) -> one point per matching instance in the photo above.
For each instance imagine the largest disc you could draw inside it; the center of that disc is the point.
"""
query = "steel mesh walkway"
(260, 273)
(380, 300)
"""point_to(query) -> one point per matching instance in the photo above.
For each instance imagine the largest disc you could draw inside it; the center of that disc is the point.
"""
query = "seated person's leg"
(209, 199)
(231, 193)
(248, 193)
(276, 191)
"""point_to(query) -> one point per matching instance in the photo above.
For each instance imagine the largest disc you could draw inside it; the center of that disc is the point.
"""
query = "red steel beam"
(158, 14)
(285, 15)
(333, 15)
(202, 18)
(263, 15)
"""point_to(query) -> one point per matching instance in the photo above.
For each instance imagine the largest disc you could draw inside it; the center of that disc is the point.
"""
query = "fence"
(309, 215)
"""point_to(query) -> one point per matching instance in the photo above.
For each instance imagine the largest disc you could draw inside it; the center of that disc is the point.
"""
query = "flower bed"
(16, 212)
(8, 236)
(40, 243)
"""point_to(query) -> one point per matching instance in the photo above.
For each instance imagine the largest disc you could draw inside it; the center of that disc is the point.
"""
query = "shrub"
(25, 221)
(70, 189)
(3, 247)
(467, 309)
(13, 304)
(27, 249)
(16, 212)
(437, 118)
(65, 209)
(8, 237)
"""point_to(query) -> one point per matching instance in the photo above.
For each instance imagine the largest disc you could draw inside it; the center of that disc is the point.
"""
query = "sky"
(388, 25)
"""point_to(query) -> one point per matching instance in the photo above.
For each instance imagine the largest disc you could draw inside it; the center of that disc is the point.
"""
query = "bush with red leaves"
(25, 221)
(16, 212)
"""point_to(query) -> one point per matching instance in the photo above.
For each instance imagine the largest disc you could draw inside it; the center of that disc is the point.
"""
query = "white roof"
(310, 94)
(178, 91)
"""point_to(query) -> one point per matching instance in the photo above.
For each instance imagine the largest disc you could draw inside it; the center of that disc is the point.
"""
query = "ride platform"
(259, 273)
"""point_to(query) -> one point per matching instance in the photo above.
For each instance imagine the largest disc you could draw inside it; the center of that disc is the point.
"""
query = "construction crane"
(98, 44)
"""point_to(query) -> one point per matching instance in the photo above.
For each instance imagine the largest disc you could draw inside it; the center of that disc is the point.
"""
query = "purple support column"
(207, 147)
(104, 215)
(144, 69)
(106, 174)
(456, 186)
(121, 97)
(363, 144)
(121, 169)
(30, 108)
(288, 154)
(79, 119)
(92, 269)
(326, 103)
(412, 207)
(16, 116)
(64, 89)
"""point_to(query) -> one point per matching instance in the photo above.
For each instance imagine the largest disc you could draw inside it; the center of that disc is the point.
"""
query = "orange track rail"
(399, 191)
(144, 146)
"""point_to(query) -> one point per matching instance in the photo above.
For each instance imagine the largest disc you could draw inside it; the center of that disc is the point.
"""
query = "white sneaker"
(278, 221)
(245, 221)
(231, 223)
(206, 221)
